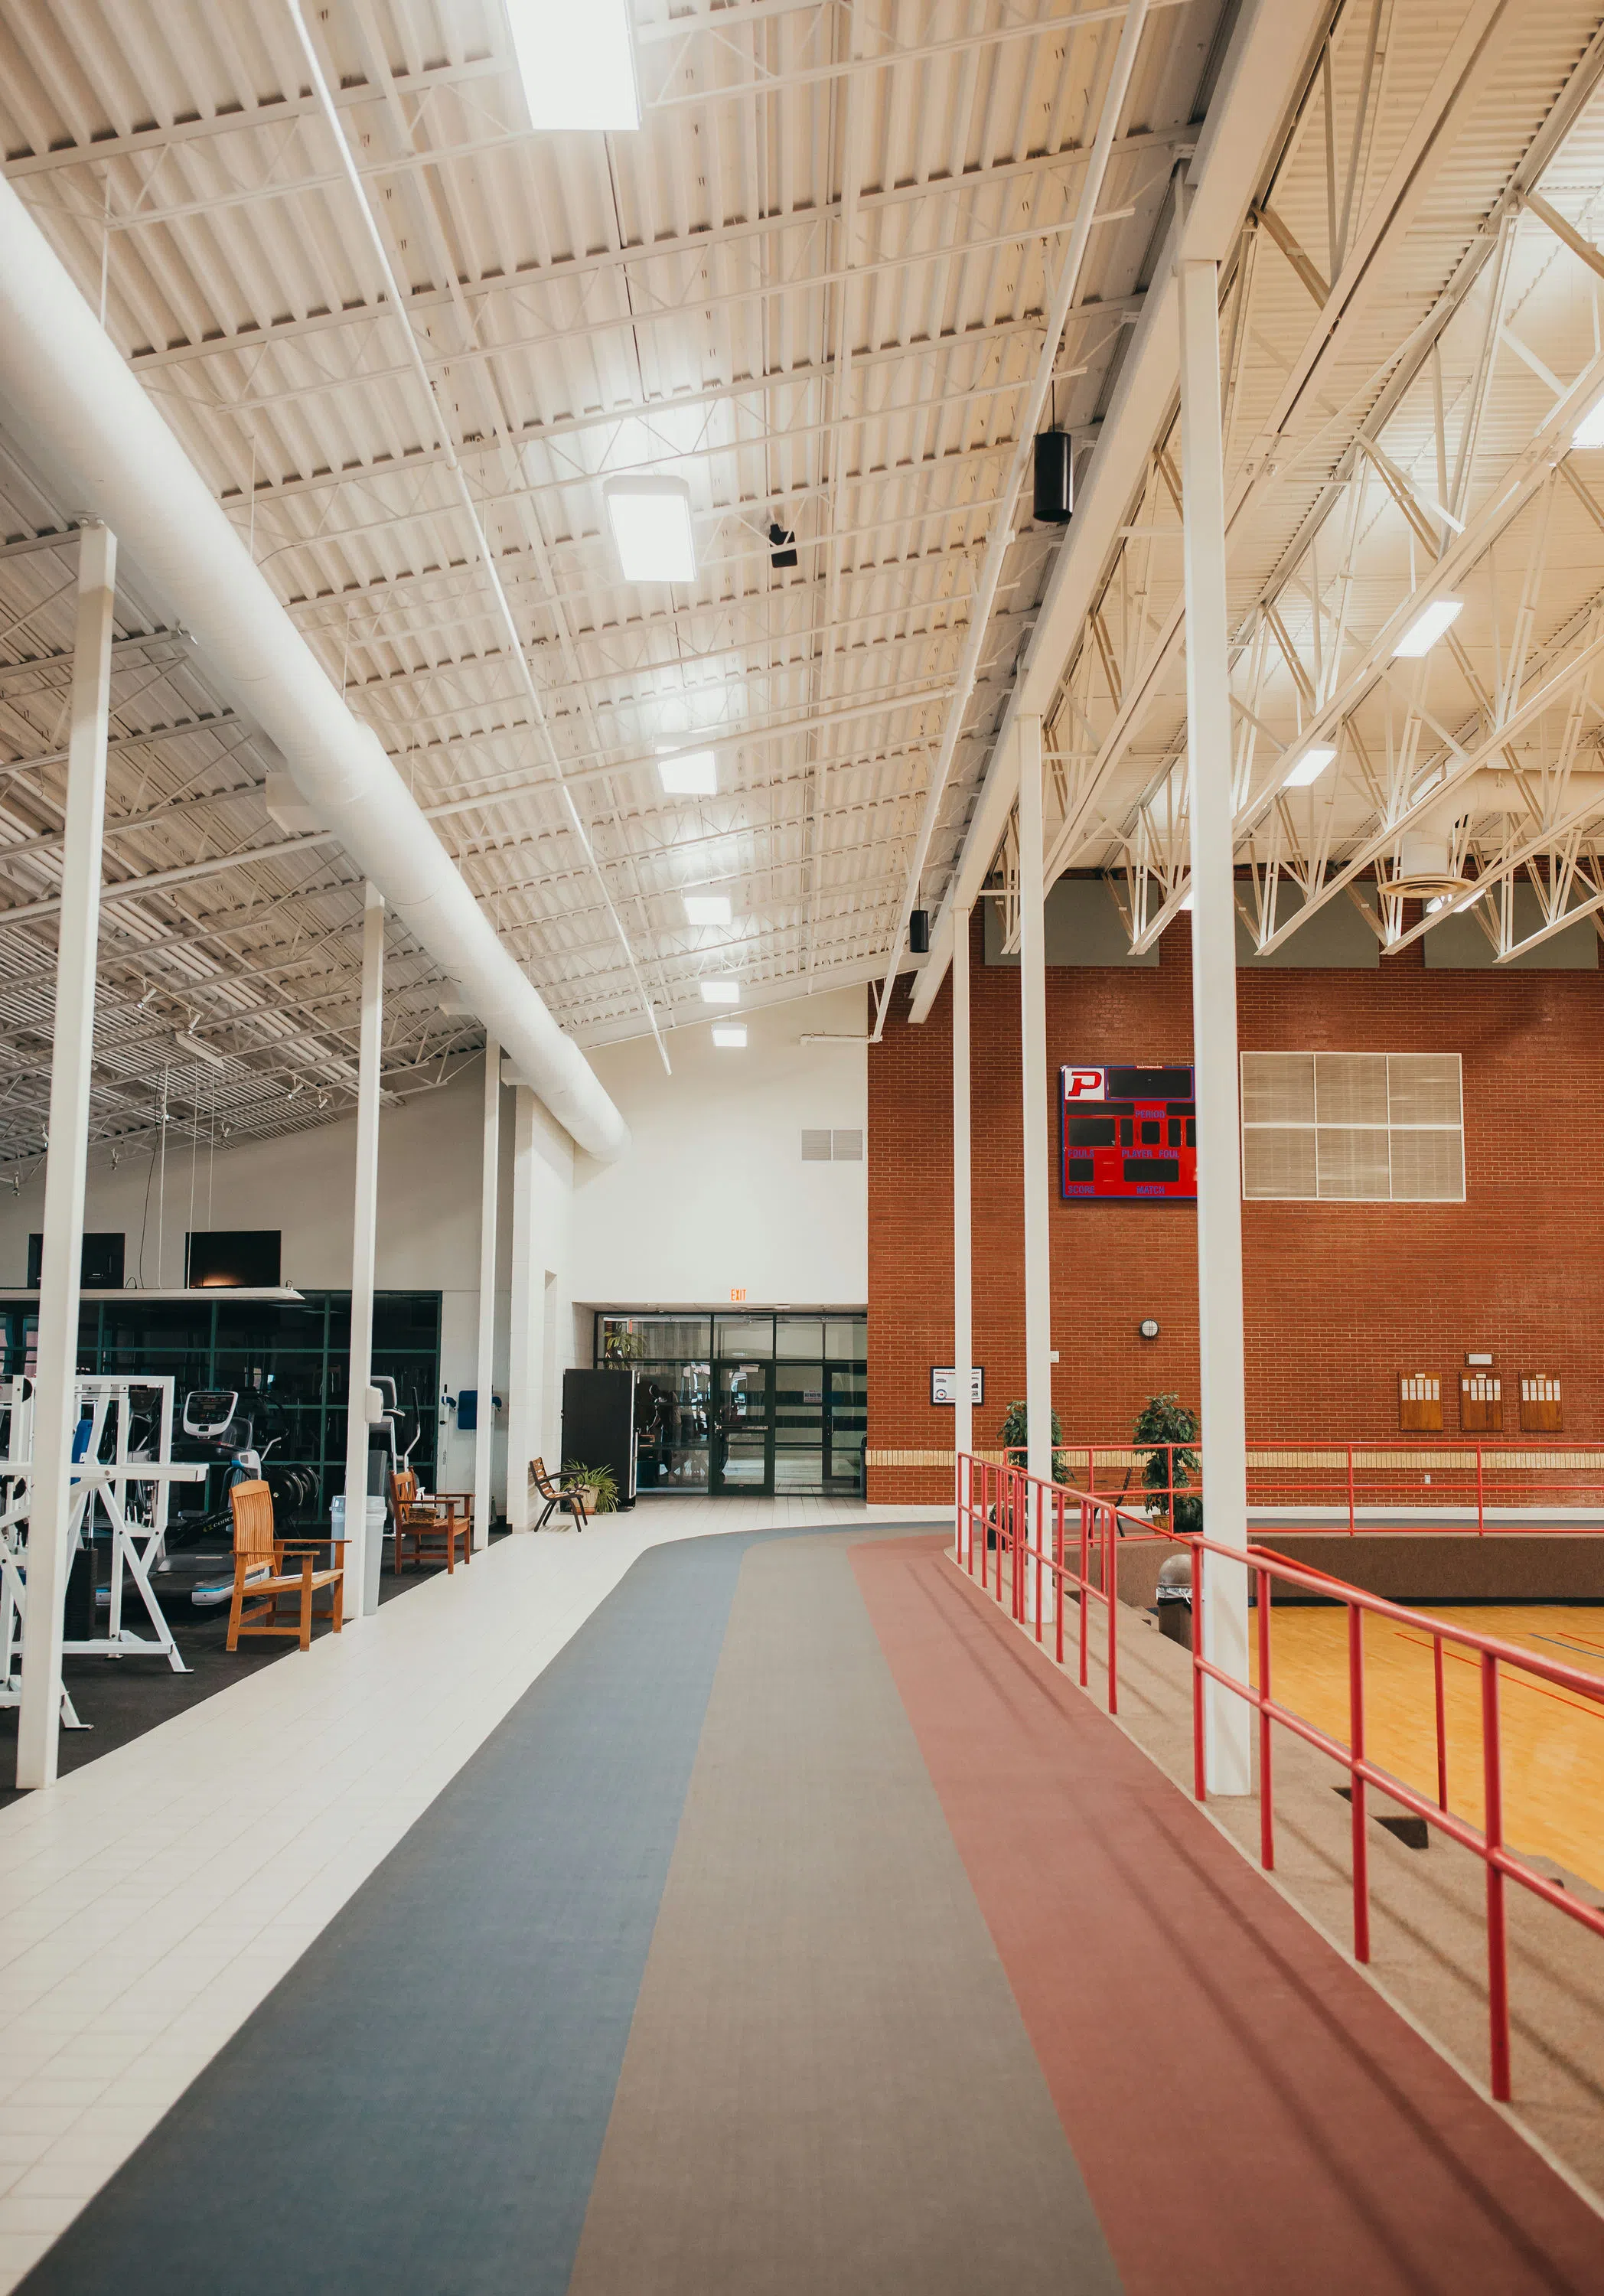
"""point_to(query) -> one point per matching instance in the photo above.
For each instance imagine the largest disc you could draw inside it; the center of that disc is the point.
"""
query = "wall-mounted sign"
(944, 1383)
(1127, 1133)
(736, 1298)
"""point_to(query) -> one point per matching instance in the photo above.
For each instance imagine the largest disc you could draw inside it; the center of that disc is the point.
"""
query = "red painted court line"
(1508, 1680)
(1247, 2114)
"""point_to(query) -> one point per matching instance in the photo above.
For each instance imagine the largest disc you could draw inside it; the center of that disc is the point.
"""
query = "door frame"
(717, 1486)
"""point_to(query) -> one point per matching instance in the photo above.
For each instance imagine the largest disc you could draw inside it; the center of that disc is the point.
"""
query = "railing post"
(1199, 1719)
(1015, 1511)
(1356, 1741)
(1498, 1961)
(1442, 1723)
(1111, 1600)
(1481, 1524)
(1352, 1524)
(1086, 1582)
(1266, 1795)
(1037, 1543)
(1058, 1564)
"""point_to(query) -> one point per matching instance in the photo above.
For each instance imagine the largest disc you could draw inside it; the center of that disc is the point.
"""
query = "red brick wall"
(1340, 1298)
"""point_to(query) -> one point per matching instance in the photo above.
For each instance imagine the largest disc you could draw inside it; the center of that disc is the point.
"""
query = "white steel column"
(964, 1303)
(364, 1231)
(489, 1186)
(38, 1721)
(1033, 1064)
(523, 1399)
(1228, 1737)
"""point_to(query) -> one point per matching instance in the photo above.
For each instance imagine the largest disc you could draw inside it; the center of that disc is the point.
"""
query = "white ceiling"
(814, 284)
(1413, 326)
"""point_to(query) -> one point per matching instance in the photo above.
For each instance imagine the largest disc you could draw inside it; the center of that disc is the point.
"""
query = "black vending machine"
(599, 1423)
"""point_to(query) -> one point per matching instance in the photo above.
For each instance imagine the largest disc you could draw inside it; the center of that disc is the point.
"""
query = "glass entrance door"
(741, 1450)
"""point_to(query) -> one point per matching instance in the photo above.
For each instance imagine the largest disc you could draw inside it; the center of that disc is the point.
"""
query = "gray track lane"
(828, 2085)
(417, 2108)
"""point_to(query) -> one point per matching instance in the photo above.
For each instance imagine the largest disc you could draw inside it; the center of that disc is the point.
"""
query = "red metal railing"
(1362, 1480)
(999, 1507)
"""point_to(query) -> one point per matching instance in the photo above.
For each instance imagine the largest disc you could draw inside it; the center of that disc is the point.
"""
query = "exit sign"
(737, 1296)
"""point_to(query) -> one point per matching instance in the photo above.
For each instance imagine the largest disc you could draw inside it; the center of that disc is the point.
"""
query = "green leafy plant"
(1165, 1420)
(624, 1347)
(1016, 1436)
(601, 1481)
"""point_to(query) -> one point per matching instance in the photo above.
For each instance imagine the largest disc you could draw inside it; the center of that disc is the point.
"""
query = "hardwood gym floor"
(1552, 1738)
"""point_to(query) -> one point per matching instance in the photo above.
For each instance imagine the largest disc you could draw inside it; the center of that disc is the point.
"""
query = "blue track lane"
(418, 2107)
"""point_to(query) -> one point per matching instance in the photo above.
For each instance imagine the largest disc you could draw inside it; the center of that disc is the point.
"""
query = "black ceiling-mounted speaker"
(1054, 499)
(782, 551)
(919, 932)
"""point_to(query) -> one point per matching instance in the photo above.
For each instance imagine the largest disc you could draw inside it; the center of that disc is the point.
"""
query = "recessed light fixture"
(1310, 766)
(721, 992)
(650, 521)
(730, 1035)
(575, 59)
(1590, 430)
(708, 908)
(688, 773)
(1427, 629)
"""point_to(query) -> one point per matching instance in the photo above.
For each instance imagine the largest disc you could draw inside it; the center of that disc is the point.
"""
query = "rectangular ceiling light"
(575, 59)
(1427, 629)
(688, 773)
(1590, 430)
(708, 908)
(1310, 766)
(721, 992)
(650, 521)
(730, 1035)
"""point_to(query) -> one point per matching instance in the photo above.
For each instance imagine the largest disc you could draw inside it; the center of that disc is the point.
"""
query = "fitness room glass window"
(672, 1358)
(793, 1387)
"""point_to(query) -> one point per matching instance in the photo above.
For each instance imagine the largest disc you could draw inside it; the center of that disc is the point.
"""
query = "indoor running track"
(800, 1930)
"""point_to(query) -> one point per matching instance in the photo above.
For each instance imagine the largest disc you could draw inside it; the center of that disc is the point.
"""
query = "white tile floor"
(149, 1901)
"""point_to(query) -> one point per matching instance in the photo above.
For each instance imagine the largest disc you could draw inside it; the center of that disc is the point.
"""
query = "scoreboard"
(1127, 1133)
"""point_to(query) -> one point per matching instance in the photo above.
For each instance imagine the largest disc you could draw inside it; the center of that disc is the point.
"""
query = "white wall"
(713, 1195)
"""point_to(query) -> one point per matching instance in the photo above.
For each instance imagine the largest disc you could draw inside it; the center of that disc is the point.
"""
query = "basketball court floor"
(1552, 1741)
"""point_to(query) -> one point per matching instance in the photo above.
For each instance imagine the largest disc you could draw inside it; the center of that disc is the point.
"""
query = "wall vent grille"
(821, 1147)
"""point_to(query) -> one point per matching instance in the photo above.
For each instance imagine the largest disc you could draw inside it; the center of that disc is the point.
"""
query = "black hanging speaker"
(782, 546)
(919, 932)
(1054, 501)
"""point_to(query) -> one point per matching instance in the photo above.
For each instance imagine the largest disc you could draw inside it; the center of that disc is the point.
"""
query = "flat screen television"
(100, 1267)
(216, 1259)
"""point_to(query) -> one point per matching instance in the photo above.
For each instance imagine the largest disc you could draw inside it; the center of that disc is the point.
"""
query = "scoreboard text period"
(1127, 1132)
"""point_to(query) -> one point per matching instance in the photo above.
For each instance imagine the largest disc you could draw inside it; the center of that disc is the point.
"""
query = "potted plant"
(1016, 1435)
(1166, 1430)
(598, 1487)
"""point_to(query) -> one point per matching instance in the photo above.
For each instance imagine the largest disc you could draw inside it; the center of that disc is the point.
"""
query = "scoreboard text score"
(1127, 1133)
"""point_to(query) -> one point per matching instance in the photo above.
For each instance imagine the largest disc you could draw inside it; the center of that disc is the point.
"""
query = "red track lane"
(1247, 2114)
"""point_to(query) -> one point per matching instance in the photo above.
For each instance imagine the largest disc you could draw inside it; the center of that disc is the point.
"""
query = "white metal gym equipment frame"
(136, 1547)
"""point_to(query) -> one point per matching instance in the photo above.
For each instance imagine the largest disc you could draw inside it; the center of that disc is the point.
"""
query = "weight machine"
(123, 1466)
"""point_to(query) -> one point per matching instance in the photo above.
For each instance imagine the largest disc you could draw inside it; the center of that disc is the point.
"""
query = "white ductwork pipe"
(84, 420)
